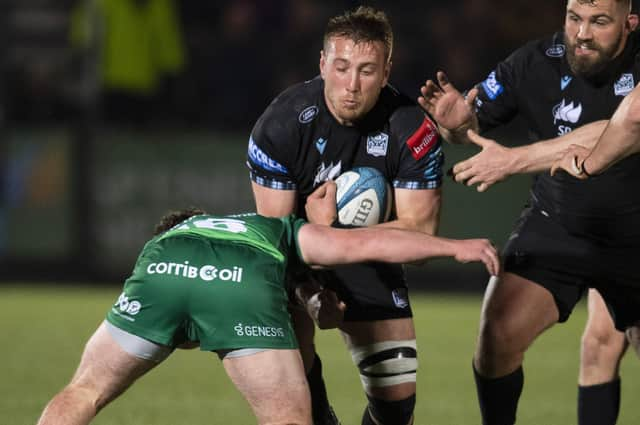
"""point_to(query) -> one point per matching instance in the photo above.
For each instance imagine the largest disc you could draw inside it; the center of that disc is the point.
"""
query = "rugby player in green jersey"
(219, 282)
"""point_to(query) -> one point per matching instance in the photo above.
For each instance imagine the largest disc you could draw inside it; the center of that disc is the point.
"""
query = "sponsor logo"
(261, 159)
(256, 330)
(321, 144)
(624, 85)
(326, 173)
(377, 144)
(308, 114)
(556, 51)
(564, 81)
(492, 86)
(423, 139)
(567, 112)
(206, 273)
(125, 307)
(400, 297)
(364, 209)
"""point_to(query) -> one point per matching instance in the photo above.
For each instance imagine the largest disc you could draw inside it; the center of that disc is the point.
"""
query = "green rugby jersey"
(277, 237)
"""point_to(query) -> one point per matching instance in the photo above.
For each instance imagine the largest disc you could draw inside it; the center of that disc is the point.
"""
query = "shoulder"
(546, 50)
(296, 106)
(404, 113)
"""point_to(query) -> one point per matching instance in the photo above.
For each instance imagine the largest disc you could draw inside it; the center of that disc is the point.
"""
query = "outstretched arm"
(495, 162)
(620, 139)
(326, 246)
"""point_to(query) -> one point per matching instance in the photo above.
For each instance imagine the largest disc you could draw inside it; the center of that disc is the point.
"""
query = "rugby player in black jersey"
(569, 237)
(349, 116)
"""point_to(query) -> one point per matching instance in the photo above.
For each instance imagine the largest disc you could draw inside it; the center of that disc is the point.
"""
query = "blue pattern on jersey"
(262, 160)
(272, 183)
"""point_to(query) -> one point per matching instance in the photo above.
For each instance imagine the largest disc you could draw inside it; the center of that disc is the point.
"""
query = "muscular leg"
(599, 382)
(383, 351)
(515, 311)
(105, 371)
(305, 332)
(274, 385)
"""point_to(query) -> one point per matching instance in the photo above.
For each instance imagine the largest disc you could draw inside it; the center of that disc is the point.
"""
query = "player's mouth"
(584, 49)
(350, 103)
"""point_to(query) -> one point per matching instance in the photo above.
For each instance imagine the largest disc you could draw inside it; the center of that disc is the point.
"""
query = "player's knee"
(88, 396)
(499, 337)
(601, 346)
(397, 412)
(386, 363)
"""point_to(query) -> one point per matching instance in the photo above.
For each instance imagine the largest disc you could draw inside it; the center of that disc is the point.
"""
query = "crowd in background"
(217, 64)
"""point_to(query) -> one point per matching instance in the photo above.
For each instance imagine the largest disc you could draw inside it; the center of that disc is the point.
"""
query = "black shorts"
(544, 252)
(371, 291)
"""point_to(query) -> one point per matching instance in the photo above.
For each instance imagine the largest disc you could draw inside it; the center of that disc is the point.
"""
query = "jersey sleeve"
(497, 101)
(421, 156)
(269, 145)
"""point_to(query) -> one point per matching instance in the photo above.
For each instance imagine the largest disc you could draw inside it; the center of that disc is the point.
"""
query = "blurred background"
(115, 111)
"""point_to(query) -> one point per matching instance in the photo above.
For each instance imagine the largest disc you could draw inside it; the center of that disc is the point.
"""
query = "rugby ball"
(363, 197)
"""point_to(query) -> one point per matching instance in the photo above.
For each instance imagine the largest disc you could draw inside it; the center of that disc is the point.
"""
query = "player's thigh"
(274, 384)
(385, 353)
(515, 310)
(106, 369)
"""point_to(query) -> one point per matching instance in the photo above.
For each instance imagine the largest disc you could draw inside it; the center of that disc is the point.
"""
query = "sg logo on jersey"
(377, 144)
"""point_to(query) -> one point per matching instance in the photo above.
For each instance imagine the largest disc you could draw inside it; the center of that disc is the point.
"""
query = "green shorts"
(226, 295)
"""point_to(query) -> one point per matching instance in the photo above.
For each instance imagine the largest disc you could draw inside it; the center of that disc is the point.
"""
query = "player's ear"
(632, 22)
(387, 73)
(323, 62)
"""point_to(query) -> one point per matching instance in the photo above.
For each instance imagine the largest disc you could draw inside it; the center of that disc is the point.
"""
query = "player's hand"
(321, 204)
(490, 166)
(571, 161)
(322, 305)
(446, 104)
(479, 250)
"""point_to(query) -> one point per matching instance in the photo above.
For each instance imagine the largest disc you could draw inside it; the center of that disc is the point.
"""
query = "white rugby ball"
(363, 197)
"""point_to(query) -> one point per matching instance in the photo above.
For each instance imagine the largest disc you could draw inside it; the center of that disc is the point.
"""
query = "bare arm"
(272, 202)
(495, 162)
(417, 210)
(326, 246)
(620, 138)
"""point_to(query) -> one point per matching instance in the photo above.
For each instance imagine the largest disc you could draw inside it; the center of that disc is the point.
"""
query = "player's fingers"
(482, 187)
(554, 168)
(319, 192)
(471, 96)
(443, 81)
(330, 189)
(477, 139)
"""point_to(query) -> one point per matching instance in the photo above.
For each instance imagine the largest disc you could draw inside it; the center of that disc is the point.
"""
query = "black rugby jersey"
(297, 144)
(536, 82)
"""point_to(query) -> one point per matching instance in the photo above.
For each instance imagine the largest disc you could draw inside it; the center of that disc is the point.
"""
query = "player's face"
(353, 76)
(595, 33)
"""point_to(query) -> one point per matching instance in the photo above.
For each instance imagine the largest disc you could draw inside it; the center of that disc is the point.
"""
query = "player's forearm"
(620, 139)
(326, 246)
(541, 155)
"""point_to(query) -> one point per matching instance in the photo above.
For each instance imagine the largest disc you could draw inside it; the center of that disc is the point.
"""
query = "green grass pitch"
(43, 330)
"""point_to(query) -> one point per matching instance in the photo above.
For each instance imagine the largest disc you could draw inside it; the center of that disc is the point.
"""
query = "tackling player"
(219, 282)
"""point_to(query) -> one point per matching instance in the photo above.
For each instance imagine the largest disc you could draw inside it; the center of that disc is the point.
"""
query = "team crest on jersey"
(308, 114)
(556, 51)
(423, 139)
(321, 144)
(567, 112)
(377, 144)
(624, 85)
(492, 86)
(400, 297)
(329, 172)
